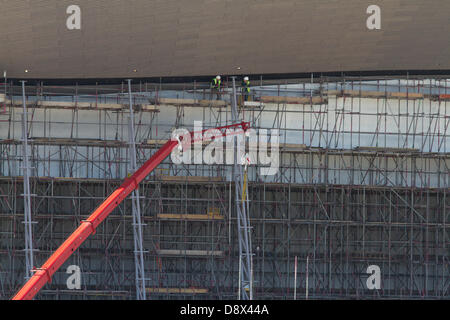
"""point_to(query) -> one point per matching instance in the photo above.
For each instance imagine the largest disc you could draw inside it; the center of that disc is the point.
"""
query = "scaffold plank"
(385, 149)
(191, 102)
(150, 108)
(293, 100)
(375, 94)
(199, 217)
(190, 253)
(80, 105)
(178, 290)
(191, 178)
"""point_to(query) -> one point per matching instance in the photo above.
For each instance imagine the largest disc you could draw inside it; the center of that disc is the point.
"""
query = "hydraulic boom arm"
(88, 227)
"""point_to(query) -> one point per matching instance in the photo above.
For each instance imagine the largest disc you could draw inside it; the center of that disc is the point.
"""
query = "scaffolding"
(245, 283)
(364, 180)
(136, 209)
(26, 192)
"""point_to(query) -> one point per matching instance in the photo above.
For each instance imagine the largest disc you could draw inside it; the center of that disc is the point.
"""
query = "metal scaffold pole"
(26, 191)
(245, 250)
(136, 208)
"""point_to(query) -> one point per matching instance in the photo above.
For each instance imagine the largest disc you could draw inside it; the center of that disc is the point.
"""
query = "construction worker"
(216, 84)
(246, 89)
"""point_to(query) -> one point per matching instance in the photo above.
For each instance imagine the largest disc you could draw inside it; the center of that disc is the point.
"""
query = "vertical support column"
(245, 250)
(295, 278)
(26, 192)
(136, 208)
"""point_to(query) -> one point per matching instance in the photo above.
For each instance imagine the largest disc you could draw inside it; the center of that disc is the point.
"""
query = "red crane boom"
(88, 227)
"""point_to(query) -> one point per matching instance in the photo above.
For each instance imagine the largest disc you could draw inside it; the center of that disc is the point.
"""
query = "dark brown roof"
(205, 37)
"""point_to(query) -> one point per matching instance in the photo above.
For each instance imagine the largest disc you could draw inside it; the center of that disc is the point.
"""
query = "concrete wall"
(342, 124)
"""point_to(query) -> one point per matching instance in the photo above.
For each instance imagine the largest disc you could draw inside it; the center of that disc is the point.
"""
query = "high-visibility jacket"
(216, 83)
(246, 86)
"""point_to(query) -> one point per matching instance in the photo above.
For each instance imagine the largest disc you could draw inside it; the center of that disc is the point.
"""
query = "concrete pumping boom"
(44, 274)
